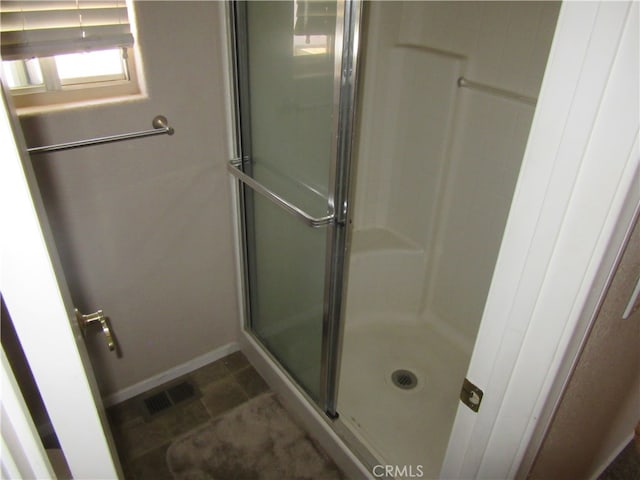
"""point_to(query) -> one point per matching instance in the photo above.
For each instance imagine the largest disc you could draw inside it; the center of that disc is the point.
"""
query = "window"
(64, 51)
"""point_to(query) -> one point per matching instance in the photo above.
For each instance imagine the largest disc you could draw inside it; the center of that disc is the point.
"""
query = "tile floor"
(142, 443)
(225, 384)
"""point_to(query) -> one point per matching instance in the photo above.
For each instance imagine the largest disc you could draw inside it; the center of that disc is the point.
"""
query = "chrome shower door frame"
(346, 76)
(345, 83)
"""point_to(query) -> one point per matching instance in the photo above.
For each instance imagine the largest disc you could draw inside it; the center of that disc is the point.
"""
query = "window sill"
(80, 105)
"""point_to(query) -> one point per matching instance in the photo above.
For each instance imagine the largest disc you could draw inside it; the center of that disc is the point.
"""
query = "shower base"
(400, 426)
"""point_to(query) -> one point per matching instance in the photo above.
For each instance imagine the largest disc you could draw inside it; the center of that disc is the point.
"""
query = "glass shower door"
(289, 84)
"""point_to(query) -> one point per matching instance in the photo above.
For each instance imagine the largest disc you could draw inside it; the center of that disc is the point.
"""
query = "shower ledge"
(369, 240)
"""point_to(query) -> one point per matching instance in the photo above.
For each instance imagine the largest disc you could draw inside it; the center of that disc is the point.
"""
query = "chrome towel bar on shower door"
(297, 212)
(159, 123)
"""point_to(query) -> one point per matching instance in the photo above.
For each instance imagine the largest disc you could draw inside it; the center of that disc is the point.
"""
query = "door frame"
(346, 86)
(37, 298)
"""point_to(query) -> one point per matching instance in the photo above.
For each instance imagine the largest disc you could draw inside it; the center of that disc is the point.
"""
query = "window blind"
(41, 28)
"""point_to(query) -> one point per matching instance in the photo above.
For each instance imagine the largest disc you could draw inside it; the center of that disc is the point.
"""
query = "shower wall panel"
(436, 169)
(405, 127)
(420, 123)
(437, 164)
(505, 45)
(489, 142)
(391, 239)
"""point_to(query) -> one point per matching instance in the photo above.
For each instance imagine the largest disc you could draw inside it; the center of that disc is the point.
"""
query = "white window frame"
(56, 93)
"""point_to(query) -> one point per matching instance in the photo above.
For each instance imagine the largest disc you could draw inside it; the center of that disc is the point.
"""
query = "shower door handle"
(297, 212)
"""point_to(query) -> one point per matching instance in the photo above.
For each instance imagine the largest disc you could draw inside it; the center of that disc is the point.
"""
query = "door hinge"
(471, 395)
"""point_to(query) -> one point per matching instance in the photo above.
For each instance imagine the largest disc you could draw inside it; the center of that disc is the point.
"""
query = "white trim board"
(171, 374)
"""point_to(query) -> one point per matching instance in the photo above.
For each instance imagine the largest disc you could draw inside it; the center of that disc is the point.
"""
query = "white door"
(35, 292)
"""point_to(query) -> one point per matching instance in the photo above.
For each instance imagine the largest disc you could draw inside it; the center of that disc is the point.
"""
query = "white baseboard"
(171, 374)
(298, 406)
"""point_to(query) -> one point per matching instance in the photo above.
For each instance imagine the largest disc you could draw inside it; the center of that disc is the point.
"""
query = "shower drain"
(404, 379)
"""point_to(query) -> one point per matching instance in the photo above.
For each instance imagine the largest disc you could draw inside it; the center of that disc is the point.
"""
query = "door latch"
(471, 395)
(96, 318)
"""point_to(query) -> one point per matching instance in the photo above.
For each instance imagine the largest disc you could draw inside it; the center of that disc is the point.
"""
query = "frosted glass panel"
(289, 104)
(288, 291)
(291, 98)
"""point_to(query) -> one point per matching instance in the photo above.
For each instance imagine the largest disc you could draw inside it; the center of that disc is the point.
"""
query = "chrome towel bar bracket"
(159, 123)
(297, 212)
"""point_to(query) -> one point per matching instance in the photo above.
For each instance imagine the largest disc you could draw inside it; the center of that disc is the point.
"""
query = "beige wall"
(144, 227)
(601, 404)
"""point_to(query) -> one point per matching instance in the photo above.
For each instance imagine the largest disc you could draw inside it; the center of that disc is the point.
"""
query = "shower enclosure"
(372, 219)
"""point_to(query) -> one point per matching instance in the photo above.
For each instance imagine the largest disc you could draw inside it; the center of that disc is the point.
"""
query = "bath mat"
(256, 441)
